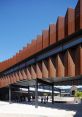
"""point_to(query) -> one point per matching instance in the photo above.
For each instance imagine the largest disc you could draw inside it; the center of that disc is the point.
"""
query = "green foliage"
(78, 94)
(45, 94)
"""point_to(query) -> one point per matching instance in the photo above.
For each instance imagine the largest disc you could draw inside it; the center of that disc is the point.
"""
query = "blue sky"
(22, 20)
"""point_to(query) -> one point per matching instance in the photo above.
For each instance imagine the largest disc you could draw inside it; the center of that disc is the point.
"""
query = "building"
(53, 58)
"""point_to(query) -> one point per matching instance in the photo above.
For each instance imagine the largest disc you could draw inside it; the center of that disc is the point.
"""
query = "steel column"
(52, 93)
(10, 94)
(36, 94)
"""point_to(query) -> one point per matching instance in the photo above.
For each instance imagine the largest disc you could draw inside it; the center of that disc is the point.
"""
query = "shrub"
(78, 94)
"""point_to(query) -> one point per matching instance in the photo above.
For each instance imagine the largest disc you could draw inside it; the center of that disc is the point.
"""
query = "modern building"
(53, 58)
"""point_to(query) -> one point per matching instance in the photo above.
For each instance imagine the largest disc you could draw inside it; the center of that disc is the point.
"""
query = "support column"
(36, 94)
(28, 89)
(52, 93)
(10, 94)
(60, 92)
(28, 94)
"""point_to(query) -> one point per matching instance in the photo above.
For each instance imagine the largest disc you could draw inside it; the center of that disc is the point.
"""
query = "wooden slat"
(60, 66)
(24, 74)
(28, 73)
(33, 71)
(52, 68)
(45, 72)
(39, 70)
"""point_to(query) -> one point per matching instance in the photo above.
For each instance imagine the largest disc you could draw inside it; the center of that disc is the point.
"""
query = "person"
(41, 99)
(47, 98)
(29, 98)
(33, 98)
(26, 99)
(44, 99)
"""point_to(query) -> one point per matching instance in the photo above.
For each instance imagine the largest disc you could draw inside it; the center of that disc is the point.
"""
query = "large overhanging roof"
(48, 81)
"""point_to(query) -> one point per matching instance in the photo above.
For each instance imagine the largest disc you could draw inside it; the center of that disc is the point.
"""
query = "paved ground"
(43, 110)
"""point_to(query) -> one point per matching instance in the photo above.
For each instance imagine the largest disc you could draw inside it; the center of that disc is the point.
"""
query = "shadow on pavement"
(63, 106)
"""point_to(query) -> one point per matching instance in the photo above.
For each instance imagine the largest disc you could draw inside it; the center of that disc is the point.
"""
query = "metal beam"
(10, 94)
(52, 93)
(36, 94)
